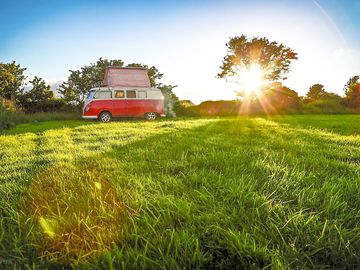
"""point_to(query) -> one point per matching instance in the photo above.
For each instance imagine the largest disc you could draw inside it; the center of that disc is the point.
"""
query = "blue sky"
(184, 39)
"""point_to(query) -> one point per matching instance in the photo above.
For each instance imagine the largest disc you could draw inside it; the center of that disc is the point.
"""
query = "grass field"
(245, 193)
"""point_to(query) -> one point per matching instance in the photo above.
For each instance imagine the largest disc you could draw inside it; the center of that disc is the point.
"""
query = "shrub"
(184, 108)
(219, 107)
(9, 116)
(325, 106)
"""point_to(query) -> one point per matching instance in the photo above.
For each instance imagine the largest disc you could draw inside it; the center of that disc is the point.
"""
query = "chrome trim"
(89, 117)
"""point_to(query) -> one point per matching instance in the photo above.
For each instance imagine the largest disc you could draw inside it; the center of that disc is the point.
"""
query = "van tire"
(151, 116)
(105, 117)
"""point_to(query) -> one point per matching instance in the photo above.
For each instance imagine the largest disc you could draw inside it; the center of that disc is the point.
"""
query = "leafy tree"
(273, 58)
(40, 92)
(352, 92)
(40, 98)
(279, 97)
(353, 80)
(80, 81)
(325, 101)
(316, 92)
(12, 80)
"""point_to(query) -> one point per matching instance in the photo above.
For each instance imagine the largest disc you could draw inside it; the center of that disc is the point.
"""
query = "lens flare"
(251, 79)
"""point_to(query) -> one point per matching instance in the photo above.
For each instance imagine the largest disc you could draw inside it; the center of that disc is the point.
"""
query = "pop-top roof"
(126, 77)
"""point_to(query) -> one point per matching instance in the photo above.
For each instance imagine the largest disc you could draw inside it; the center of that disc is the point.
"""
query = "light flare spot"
(98, 185)
(48, 226)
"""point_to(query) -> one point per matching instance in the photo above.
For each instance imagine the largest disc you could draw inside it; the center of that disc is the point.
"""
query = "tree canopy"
(12, 80)
(40, 91)
(316, 91)
(80, 81)
(352, 92)
(243, 52)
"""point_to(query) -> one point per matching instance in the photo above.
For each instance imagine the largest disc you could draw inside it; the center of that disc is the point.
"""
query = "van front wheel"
(150, 116)
(105, 117)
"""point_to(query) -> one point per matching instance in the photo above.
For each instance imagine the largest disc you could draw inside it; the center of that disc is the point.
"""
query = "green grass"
(9, 119)
(246, 193)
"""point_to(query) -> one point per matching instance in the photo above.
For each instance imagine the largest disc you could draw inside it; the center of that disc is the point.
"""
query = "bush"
(324, 106)
(9, 116)
(218, 108)
(51, 105)
(184, 108)
(5, 118)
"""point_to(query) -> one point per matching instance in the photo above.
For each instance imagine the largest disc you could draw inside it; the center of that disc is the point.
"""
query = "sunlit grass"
(75, 210)
(243, 192)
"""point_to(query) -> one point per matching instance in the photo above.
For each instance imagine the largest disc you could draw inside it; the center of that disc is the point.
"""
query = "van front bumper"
(89, 117)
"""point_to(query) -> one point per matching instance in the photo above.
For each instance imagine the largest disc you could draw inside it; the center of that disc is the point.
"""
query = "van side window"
(119, 94)
(102, 95)
(141, 94)
(131, 94)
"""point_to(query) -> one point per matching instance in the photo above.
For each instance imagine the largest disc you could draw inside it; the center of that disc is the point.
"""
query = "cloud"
(54, 87)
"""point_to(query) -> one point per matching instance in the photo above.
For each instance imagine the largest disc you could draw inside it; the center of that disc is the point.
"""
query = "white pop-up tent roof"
(126, 77)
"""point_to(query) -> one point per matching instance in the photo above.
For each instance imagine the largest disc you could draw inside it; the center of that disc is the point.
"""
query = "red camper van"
(127, 93)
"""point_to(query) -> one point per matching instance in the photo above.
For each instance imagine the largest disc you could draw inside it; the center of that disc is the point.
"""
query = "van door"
(133, 104)
(119, 103)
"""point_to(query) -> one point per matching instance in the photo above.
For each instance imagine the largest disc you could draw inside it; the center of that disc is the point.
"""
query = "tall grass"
(11, 116)
(77, 213)
(244, 193)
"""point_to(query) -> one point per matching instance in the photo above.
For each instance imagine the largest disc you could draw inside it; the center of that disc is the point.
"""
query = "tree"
(352, 92)
(316, 92)
(277, 97)
(274, 59)
(40, 92)
(12, 81)
(40, 98)
(81, 81)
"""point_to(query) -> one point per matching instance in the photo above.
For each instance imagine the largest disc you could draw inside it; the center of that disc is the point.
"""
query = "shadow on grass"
(38, 127)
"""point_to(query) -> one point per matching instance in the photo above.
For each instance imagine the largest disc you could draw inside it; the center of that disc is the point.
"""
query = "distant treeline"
(19, 96)
(278, 99)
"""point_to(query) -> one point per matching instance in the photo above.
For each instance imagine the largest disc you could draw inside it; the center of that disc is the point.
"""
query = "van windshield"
(90, 95)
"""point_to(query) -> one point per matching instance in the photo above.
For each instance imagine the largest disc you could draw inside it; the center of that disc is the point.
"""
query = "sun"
(251, 79)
